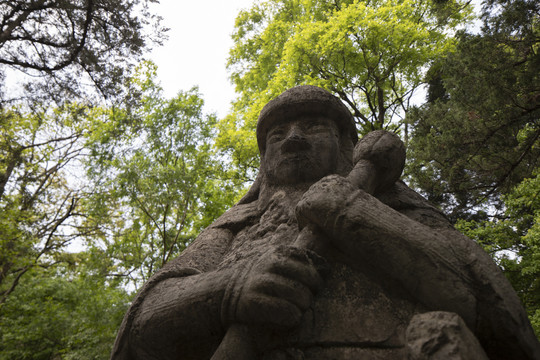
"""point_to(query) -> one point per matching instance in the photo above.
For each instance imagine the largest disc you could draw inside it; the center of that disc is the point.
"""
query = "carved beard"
(294, 168)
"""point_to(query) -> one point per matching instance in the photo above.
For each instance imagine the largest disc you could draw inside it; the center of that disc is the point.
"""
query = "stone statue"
(328, 256)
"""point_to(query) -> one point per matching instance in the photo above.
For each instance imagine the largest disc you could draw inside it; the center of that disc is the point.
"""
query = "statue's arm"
(182, 297)
(184, 312)
(180, 316)
(443, 269)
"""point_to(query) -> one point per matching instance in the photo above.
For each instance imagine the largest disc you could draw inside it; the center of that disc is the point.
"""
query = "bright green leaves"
(158, 181)
(73, 242)
(371, 54)
(36, 200)
(375, 52)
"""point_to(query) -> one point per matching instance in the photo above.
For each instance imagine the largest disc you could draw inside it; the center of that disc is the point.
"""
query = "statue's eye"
(318, 128)
(275, 135)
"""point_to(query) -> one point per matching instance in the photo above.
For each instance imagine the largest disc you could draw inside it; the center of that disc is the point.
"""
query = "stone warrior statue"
(328, 256)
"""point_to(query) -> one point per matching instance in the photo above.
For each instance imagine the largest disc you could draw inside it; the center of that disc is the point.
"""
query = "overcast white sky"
(197, 49)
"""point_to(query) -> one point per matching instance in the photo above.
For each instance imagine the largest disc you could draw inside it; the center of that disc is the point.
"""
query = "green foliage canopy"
(157, 180)
(475, 145)
(72, 244)
(514, 241)
(369, 53)
(36, 201)
(63, 316)
(477, 137)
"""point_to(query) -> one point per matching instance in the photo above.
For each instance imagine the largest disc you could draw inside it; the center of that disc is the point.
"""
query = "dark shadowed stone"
(442, 336)
(328, 256)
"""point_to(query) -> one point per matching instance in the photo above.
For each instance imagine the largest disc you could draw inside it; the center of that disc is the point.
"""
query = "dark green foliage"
(73, 48)
(514, 241)
(475, 145)
(61, 316)
(477, 136)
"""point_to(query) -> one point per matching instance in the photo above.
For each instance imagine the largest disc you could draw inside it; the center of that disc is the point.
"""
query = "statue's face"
(302, 150)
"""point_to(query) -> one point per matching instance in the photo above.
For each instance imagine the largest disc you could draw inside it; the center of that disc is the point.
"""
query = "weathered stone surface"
(328, 256)
(442, 336)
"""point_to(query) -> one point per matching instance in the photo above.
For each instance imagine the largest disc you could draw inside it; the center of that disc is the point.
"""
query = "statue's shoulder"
(208, 249)
(405, 200)
(238, 217)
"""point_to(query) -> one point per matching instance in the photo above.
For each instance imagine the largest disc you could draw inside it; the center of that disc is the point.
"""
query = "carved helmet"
(304, 100)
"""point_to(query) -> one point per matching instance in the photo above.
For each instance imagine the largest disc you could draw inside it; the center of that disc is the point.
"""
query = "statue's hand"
(276, 291)
(379, 158)
(323, 202)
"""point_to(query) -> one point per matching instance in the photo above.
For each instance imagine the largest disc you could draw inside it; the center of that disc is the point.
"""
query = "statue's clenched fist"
(276, 290)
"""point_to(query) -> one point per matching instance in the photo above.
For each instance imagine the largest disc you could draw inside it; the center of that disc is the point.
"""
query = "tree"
(478, 135)
(36, 200)
(369, 53)
(475, 145)
(514, 241)
(67, 315)
(67, 48)
(153, 183)
(157, 181)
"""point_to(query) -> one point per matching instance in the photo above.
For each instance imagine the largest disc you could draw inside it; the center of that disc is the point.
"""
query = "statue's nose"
(295, 141)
